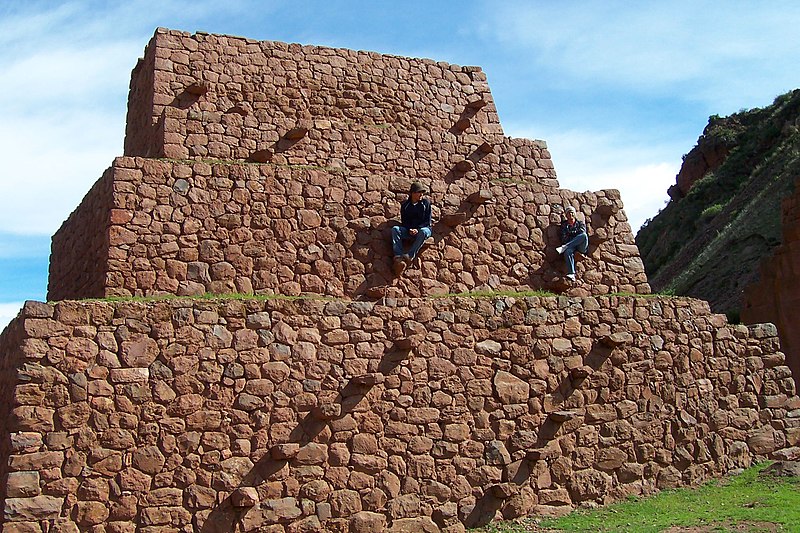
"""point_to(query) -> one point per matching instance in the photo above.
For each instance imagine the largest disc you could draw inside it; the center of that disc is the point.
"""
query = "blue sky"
(618, 90)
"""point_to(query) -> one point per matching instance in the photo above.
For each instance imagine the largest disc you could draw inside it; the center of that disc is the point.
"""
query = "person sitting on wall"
(573, 238)
(415, 223)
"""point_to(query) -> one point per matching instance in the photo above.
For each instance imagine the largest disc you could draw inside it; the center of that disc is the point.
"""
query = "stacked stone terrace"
(420, 415)
(277, 169)
(267, 167)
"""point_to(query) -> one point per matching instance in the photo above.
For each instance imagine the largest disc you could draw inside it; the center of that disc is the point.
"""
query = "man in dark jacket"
(415, 223)
(573, 238)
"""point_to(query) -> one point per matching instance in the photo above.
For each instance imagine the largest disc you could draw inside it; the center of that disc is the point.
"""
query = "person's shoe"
(406, 259)
(571, 277)
(560, 249)
(399, 265)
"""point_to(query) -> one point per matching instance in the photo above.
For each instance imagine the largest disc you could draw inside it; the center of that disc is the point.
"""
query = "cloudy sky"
(618, 90)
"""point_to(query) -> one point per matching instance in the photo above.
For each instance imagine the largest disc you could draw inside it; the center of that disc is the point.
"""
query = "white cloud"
(642, 187)
(8, 311)
(49, 165)
(591, 161)
(23, 246)
(63, 111)
(721, 53)
(64, 98)
(48, 79)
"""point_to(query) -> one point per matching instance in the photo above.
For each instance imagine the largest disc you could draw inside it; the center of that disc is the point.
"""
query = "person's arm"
(403, 216)
(582, 227)
(564, 233)
(426, 222)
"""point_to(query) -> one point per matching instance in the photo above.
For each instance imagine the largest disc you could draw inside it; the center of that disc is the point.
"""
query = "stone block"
(510, 389)
(244, 497)
(368, 522)
(24, 484)
(36, 508)
(413, 525)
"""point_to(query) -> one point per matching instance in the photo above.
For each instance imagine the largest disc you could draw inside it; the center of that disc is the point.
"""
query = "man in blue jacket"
(573, 238)
(415, 223)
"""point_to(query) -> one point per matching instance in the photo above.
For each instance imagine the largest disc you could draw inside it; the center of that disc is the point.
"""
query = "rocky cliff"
(776, 296)
(724, 215)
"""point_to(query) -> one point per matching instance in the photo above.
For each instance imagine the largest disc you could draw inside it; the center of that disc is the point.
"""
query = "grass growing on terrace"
(747, 502)
(493, 294)
(467, 294)
(210, 296)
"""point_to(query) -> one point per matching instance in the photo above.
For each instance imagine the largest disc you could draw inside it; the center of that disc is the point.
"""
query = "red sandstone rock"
(35, 508)
(244, 497)
(510, 389)
(702, 159)
(367, 522)
(774, 299)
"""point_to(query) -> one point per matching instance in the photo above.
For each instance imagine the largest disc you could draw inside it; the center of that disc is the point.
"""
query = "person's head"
(416, 192)
(569, 212)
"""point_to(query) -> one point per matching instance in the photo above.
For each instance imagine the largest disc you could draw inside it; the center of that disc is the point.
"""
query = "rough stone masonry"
(337, 397)
(267, 167)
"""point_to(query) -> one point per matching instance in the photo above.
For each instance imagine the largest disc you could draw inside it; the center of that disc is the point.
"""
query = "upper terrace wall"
(349, 131)
(316, 415)
(190, 228)
(223, 97)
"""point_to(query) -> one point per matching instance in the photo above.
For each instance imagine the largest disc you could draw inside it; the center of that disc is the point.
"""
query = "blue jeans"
(400, 232)
(580, 243)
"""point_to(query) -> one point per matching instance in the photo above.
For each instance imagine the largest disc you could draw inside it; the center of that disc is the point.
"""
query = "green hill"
(724, 215)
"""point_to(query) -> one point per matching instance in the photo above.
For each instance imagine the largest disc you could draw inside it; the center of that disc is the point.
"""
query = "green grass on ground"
(747, 502)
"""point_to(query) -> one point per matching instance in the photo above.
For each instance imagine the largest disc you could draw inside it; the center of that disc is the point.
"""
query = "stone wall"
(285, 168)
(260, 167)
(311, 414)
(187, 228)
(222, 97)
(776, 296)
(11, 357)
(79, 255)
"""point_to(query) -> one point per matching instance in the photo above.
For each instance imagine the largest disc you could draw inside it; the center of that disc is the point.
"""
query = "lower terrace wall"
(405, 415)
(189, 228)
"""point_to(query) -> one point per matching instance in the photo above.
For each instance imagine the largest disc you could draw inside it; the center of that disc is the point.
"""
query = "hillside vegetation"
(710, 238)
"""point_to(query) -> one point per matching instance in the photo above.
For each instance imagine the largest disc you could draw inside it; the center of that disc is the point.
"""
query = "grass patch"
(242, 296)
(711, 211)
(663, 294)
(207, 296)
(749, 500)
(493, 294)
(237, 162)
(465, 294)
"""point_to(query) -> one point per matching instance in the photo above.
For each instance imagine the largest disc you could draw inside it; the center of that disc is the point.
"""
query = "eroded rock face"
(775, 298)
(469, 422)
(718, 139)
(704, 158)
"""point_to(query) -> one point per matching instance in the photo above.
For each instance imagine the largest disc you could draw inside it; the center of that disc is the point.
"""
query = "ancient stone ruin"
(340, 397)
